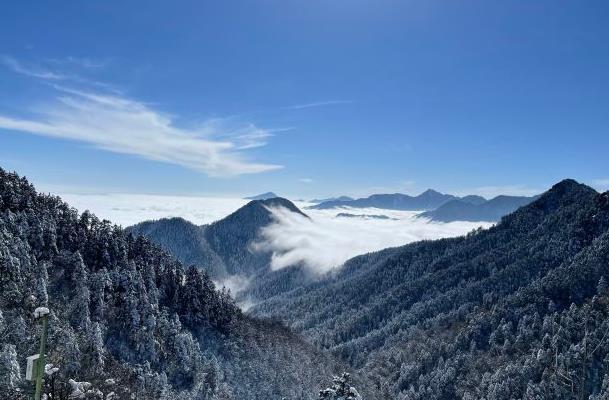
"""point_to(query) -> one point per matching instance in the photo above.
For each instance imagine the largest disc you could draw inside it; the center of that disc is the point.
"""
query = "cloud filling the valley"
(128, 209)
(320, 243)
(326, 241)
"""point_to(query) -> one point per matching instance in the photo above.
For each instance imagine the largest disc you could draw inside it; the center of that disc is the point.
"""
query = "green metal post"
(41, 360)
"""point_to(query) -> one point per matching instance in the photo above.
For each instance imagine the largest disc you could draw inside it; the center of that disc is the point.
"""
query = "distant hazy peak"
(430, 192)
(473, 199)
(263, 196)
(468, 209)
(339, 198)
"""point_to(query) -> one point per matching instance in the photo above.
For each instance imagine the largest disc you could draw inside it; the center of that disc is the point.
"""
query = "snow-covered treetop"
(340, 390)
(49, 369)
(79, 389)
(40, 312)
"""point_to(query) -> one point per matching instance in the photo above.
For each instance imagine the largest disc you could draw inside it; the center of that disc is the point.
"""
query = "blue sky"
(305, 98)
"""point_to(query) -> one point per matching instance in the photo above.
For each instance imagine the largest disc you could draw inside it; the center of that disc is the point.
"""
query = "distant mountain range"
(224, 248)
(263, 196)
(428, 200)
(436, 206)
(491, 210)
(516, 311)
(473, 199)
(340, 198)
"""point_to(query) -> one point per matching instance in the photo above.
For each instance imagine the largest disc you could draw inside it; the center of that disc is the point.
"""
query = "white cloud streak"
(121, 125)
(325, 241)
(32, 71)
(318, 104)
(83, 62)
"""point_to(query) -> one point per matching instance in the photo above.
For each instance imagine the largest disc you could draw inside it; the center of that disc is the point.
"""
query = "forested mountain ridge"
(225, 249)
(520, 310)
(232, 236)
(128, 318)
(222, 248)
(183, 240)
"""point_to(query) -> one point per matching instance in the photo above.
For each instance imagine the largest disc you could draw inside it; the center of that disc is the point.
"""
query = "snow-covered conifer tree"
(80, 306)
(10, 375)
(340, 389)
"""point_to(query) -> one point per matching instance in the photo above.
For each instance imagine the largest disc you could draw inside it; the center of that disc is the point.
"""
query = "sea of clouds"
(320, 242)
(129, 209)
(325, 241)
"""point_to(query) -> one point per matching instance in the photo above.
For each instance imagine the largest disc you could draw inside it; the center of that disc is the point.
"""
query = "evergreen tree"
(340, 389)
(95, 348)
(10, 375)
(80, 316)
(42, 279)
(602, 288)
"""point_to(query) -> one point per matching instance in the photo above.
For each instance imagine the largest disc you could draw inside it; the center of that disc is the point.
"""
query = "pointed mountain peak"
(279, 202)
(257, 210)
(568, 184)
(564, 193)
(430, 193)
(567, 189)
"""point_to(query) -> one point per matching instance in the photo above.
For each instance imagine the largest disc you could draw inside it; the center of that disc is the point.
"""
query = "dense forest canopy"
(516, 311)
(128, 320)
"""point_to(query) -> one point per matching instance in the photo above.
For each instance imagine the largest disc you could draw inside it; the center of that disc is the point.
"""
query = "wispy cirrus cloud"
(48, 70)
(123, 125)
(84, 62)
(249, 136)
(318, 104)
(33, 71)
